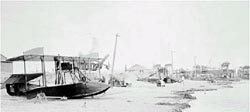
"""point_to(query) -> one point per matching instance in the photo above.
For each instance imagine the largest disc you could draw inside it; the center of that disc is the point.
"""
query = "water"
(234, 99)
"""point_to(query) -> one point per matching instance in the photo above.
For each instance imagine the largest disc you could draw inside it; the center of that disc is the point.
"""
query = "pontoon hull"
(77, 90)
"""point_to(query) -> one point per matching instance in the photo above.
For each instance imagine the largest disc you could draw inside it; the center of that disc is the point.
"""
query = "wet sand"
(141, 97)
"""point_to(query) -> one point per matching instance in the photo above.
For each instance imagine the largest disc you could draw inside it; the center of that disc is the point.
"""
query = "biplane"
(76, 67)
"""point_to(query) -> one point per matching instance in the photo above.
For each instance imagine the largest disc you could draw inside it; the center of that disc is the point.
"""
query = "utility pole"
(195, 74)
(113, 63)
(114, 54)
(172, 61)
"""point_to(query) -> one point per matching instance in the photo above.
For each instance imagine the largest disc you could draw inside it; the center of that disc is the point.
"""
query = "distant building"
(6, 68)
(139, 71)
(169, 68)
(225, 66)
(162, 71)
(226, 72)
(200, 69)
(184, 72)
(246, 72)
(137, 68)
(243, 72)
(156, 67)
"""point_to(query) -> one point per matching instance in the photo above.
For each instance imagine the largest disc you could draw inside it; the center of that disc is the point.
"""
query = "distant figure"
(158, 83)
(182, 79)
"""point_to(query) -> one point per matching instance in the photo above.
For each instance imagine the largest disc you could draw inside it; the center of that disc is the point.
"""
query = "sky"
(205, 33)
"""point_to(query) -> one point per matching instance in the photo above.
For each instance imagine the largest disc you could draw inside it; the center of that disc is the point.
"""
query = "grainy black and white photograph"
(124, 56)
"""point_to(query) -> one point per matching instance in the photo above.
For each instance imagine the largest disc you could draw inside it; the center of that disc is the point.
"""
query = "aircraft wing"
(50, 58)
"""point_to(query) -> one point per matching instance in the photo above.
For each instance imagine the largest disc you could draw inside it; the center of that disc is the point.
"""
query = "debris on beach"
(178, 106)
(129, 101)
(187, 93)
(173, 97)
(206, 89)
(181, 105)
(227, 86)
(184, 92)
(188, 96)
(222, 82)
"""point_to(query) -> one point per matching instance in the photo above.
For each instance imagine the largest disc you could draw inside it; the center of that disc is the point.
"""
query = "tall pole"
(195, 66)
(172, 61)
(113, 63)
(114, 54)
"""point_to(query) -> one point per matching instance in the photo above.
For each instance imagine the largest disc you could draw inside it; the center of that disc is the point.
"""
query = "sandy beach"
(159, 56)
(231, 98)
(141, 97)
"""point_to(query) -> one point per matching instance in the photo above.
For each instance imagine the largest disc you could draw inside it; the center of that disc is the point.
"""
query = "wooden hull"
(77, 90)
